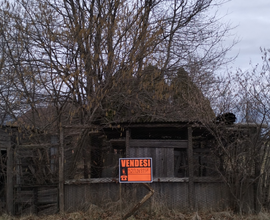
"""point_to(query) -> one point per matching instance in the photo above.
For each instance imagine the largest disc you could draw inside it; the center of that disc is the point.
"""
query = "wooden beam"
(155, 180)
(202, 150)
(10, 184)
(149, 125)
(119, 140)
(90, 133)
(61, 172)
(81, 127)
(191, 190)
(30, 146)
(127, 143)
(120, 143)
(144, 199)
(158, 143)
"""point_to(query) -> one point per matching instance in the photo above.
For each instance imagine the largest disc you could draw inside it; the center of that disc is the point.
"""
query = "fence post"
(61, 171)
(191, 191)
(127, 143)
(10, 184)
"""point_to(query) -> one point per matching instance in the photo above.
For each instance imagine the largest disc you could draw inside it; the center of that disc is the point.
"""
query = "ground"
(108, 215)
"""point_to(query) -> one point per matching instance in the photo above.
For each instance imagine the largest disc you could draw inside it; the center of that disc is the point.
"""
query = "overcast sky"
(252, 21)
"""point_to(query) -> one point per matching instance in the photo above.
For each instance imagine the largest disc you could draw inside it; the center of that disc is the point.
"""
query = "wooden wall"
(162, 159)
(161, 151)
(173, 195)
(41, 200)
(7, 176)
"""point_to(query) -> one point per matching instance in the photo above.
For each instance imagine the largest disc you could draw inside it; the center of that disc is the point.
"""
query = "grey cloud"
(252, 21)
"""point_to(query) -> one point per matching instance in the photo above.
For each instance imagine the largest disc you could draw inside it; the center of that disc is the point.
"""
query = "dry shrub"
(95, 211)
(6, 217)
(178, 215)
(75, 216)
(158, 212)
(196, 216)
(158, 207)
(29, 217)
(260, 216)
(225, 215)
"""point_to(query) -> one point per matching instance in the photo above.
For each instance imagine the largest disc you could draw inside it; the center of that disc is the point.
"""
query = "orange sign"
(135, 170)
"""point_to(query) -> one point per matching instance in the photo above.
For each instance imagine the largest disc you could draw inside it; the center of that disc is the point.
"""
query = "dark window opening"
(3, 171)
(163, 133)
(204, 164)
(105, 161)
(180, 163)
(54, 159)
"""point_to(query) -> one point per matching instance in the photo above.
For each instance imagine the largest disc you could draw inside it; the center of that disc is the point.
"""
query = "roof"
(150, 98)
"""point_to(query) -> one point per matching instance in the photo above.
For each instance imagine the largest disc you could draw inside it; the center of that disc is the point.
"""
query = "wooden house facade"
(57, 175)
(183, 170)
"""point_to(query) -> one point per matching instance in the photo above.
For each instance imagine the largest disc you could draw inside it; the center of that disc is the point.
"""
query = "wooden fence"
(169, 193)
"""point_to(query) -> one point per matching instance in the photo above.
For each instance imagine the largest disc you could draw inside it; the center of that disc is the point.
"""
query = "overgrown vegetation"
(87, 61)
(173, 214)
(98, 63)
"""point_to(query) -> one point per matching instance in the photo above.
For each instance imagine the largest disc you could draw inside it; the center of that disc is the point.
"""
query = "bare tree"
(78, 51)
(89, 61)
(241, 149)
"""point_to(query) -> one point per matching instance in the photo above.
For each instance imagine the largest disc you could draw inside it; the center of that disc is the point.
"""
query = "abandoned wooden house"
(57, 175)
(76, 166)
(184, 167)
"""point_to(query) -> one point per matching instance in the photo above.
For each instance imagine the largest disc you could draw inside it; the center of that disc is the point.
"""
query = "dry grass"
(157, 212)
(98, 215)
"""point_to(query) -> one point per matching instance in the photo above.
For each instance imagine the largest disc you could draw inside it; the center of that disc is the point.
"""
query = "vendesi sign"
(135, 170)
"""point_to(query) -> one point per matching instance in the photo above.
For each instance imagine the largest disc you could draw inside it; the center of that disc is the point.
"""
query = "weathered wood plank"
(152, 125)
(154, 164)
(145, 198)
(10, 192)
(162, 158)
(191, 189)
(201, 150)
(132, 152)
(156, 179)
(158, 163)
(163, 162)
(170, 162)
(209, 196)
(157, 166)
(127, 143)
(4, 137)
(48, 209)
(37, 146)
(158, 143)
(47, 195)
(82, 127)
(25, 197)
(61, 171)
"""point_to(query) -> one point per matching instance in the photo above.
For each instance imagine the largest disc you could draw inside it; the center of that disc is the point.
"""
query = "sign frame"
(143, 167)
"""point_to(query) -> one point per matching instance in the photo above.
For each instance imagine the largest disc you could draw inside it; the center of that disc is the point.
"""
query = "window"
(180, 163)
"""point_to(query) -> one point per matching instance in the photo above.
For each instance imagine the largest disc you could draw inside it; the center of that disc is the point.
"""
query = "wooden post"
(120, 198)
(191, 191)
(127, 143)
(18, 172)
(90, 156)
(254, 133)
(144, 199)
(85, 165)
(10, 185)
(61, 171)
